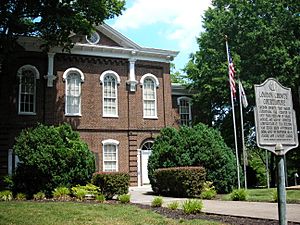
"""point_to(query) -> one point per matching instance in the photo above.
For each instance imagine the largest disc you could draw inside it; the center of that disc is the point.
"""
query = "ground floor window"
(110, 155)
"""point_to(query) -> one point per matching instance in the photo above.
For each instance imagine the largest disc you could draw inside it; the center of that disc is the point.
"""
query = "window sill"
(110, 116)
(76, 115)
(27, 114)
(150, 117)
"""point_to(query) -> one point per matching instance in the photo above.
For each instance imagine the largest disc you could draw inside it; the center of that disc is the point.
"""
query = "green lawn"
(71, 213)
(266, 195)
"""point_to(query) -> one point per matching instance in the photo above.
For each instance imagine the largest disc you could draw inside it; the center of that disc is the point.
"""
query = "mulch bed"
(233, 220)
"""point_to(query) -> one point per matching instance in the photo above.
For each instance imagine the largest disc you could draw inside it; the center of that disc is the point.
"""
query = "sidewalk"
(144, 195)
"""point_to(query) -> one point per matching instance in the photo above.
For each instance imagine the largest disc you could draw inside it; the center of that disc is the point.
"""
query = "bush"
(39, 196)
(173, 205)
(61, 193)
(195, 146)
(51, 157)
(6, 195)
(80, 192)
(238, 195)
(179, 181)
(274, 196)
(208, 191)
(100, 198)
(111, 183)
(157, 201)
(124, 198)
(20, 197)
(192, 206)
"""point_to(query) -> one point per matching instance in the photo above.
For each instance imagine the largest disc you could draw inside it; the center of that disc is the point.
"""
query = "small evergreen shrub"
(61, 193)
(208, 191)
(238, 195)
(111, 183)
(192, 206)
(80, 192)
(173, 205)
(157, 201)
(179, 181)
(20, 197)
(274, 196)
(6, 195)
(100, 198)
(125, 198)
(39, 196)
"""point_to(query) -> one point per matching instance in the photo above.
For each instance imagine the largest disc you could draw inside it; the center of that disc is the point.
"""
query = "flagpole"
(243, 137)
(233, 118)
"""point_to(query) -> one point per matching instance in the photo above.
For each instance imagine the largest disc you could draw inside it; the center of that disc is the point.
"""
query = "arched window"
(110, 81)
(73, 77)
(184, 105)
(110, 155)
(147, 145)
(28, 75)
(149, 83)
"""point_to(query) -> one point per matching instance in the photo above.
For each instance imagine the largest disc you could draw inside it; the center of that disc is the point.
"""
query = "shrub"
(274, 196)
(192, 206)
(100, 198)
(157, 201)
(179, 181)
(208, 191)
(195, 146)
(6, 195)
(238, 195)
(20, 197)
(125, 198)
(51, 157)
(61, 193)
(80, 192)
(39, 196)
(173, 205)
(111, 183)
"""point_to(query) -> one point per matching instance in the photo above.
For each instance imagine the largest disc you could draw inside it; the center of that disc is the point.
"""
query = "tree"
(51, 157)
(264, 40)
(196, 146)
(53, 20)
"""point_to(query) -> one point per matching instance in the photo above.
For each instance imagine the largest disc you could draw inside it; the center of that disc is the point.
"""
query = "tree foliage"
(264, 39)
(197, 146)
(53, 20)
(51, 157)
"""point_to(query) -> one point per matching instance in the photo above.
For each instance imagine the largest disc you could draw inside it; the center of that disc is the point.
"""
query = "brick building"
(114, 92)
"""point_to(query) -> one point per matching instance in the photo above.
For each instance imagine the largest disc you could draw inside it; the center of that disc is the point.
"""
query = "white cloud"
(183, 18)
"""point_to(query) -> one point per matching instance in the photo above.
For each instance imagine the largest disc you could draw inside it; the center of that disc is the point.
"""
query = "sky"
(163, 24)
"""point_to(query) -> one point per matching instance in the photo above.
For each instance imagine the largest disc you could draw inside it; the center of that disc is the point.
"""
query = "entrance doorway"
(145, 153)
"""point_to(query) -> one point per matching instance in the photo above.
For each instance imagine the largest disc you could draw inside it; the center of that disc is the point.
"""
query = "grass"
(72, 213)
(266, 195)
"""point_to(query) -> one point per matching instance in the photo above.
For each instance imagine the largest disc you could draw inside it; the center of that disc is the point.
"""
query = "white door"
(144, 161)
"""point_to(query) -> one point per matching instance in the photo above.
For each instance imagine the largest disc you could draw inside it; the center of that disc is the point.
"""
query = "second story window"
(110, 81)
(73, 78)
(149, 83)
(184, 105)
(27, 89)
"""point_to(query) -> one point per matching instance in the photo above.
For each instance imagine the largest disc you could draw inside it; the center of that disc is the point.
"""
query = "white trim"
(36, 73)
(65, 76)
(9, 163)
(116, 144)
(112, 73)
(73, 69)
(153, 77)
(118, 80)
(95, 42)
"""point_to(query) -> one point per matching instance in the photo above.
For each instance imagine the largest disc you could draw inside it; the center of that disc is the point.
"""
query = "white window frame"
(65, 77)
(118, 80)
(156, 85)
(189, 100)
(116, 144)
(20, 75)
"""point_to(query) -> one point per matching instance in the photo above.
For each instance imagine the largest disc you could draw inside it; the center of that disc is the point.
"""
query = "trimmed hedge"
(111, 183)
(179, 181)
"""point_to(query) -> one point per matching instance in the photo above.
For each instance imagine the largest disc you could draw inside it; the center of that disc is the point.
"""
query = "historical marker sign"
(274, 116)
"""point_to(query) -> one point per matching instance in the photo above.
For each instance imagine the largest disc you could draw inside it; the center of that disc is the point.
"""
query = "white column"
(9, 163)
(50, 77)
(131, 79)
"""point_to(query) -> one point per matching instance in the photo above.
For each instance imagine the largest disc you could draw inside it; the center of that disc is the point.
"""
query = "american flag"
(231, 75)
